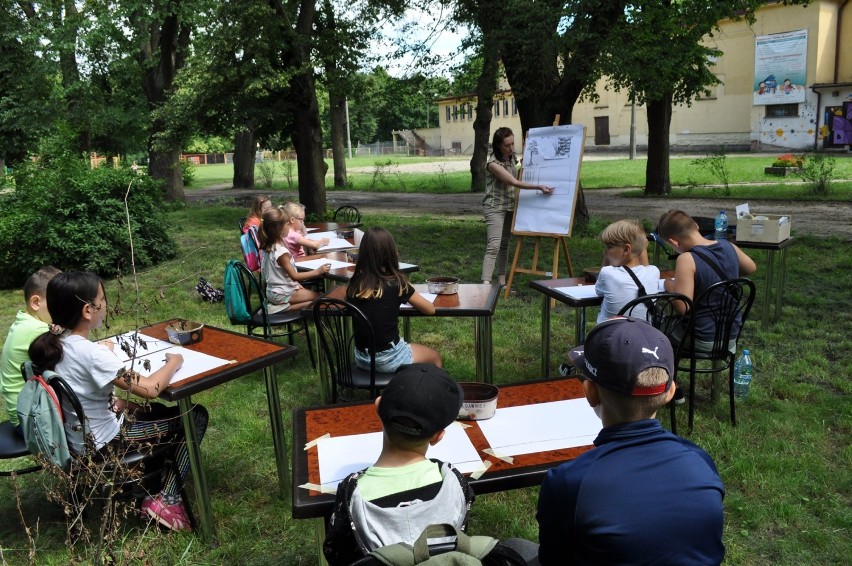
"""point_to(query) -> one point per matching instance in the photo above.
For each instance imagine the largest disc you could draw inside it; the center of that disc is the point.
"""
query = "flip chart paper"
(578, 291)
(316, 263)
(342, 455)
(544, 426)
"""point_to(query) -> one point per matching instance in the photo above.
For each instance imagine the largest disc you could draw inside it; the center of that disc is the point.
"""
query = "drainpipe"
(816, 130)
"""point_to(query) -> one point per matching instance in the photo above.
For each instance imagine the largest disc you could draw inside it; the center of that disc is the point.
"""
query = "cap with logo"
(618, 350)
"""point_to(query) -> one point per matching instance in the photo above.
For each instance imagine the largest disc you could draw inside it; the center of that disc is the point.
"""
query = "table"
(548, 288)
(250, 354)
(358, 418)
(771, 286)
(474, 300)
(331, 226)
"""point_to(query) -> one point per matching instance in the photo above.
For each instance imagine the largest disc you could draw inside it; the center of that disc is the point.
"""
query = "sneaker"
(679, 398)
(565, 369)
(172, 516)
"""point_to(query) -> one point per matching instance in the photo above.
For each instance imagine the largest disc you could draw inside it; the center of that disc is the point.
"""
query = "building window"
(469, 111)
(463, 110)
(449, 113)
(782, 110)
(497, 108)
(455, 113)
(505, 107)
(514, 107)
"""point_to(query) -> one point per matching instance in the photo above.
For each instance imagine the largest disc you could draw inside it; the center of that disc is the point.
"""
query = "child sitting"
(378, 288)
(283, 290)
(77, 305)
(296, 240)
(403, 492)
(259, 205)
(625, 268)
(28, 326)
(643, 495)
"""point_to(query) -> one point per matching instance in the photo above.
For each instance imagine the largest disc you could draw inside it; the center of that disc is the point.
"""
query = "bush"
(818, 172)
(187, 170)
(65, 214)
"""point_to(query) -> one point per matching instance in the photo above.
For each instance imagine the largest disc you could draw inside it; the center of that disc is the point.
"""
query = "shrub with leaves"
(63, 213)
(789, 160)
(818, 172)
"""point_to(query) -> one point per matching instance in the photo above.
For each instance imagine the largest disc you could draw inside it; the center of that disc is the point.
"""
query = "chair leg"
(731, 392)
(692, 363)
(672, 416)
(310, 346)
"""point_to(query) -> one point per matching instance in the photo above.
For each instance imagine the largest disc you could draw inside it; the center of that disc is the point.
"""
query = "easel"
(559, 244)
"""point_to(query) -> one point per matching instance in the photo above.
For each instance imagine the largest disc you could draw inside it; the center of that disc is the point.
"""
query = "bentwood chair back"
(727, 304)
(671, 314)
(348, 214)
(332, 318)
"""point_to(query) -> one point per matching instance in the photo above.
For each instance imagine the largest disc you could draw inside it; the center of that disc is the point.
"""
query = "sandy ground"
(813, 218)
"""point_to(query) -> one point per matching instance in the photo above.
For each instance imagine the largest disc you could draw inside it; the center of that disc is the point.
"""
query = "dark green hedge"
(65, 214)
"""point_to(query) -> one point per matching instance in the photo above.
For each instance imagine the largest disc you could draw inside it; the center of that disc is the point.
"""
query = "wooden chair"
(332, 319)
(727, 303)
(661, 312)
(290, 322)
(347, 214)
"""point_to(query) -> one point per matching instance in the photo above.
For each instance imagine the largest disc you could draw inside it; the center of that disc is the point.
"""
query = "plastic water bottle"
(721, 226)
(742, 375)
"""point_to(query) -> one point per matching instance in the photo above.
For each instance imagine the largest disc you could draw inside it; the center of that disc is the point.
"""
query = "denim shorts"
(387, 361)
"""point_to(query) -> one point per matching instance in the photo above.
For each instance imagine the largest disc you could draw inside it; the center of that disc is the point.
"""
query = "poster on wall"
(780, 67)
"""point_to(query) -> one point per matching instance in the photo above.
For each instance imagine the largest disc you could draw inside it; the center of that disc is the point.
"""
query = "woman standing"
(501, 178)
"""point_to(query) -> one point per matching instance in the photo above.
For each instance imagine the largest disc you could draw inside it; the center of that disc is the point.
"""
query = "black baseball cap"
(420, 400)
(618, 350)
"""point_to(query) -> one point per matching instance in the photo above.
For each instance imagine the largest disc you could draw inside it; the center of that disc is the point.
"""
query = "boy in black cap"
(643, 495)
(403, 492)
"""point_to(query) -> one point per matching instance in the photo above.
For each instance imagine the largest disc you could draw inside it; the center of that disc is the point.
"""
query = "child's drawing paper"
(317, 263)
(544, 426)
(578, 291)
(356, 237)
(403, 266)
(321, 235)
(139, 343)
(428, 296)
(334, 244)
(194, 363)
(341, 455)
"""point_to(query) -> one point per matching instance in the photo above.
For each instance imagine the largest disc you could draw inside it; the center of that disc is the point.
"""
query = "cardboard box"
(764, 228)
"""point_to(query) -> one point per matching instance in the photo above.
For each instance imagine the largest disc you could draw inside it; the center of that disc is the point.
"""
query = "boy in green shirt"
(27, 327)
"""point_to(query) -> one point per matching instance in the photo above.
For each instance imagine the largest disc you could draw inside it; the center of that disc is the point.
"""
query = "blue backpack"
(235, 294)
(41, 419)
(251, 249)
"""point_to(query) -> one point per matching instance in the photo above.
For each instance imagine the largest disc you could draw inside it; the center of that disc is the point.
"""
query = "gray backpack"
(465, 551)
(41, 420)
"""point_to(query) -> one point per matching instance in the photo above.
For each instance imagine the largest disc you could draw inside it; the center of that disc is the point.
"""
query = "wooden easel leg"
(514, 267)
(567, 256)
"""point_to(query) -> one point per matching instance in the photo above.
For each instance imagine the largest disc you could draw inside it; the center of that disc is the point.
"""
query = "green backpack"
(467, 551)
(235, 294)
(41, 420)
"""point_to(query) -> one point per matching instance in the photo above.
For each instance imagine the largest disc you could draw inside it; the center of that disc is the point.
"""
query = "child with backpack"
(396, 498)
(77, 305)
(27, 327)
(296, 240)
(259, 205)
(626, 273)
(279, 269)
(378, 288)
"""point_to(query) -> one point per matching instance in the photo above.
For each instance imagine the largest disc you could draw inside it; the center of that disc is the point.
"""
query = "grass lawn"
(688, 178)
(786, 467)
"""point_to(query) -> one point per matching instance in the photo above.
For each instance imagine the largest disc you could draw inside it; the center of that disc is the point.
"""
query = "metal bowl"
(443, 285)
(184, 332)
(480, 401)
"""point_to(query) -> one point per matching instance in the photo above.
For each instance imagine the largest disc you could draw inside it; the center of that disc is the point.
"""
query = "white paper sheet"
(403, 266)
(341, 455)
(321, 235)
(194, 363)
(544, 426)
(428, 296)
(336, 244)
(138, 343)
(311, 229)
(578, 291)
(357, 235)
(315, 263)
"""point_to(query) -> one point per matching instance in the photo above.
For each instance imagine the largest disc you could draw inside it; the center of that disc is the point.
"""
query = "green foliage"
(789, 160)
(818, 171)
(717, 165)
(62, 213)
(267, 173)
(187, 171)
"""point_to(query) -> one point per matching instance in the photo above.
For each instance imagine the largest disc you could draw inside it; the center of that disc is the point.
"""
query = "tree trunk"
(485, 85)
(657, 181)
(307, 139)
(165, 165)
(337, 119)
(244, 154)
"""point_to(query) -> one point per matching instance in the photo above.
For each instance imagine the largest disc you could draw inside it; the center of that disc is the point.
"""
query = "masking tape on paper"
(319, 488)
(314, 442)
(492, 452)
(478, 473)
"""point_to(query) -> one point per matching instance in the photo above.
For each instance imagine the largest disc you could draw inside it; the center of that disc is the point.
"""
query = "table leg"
(767, 289)
(545, 336)
(484, 345)
(406, 328)
(319, 534)
(279, 441)
(199, 477)
(779, 289)
(580, 326)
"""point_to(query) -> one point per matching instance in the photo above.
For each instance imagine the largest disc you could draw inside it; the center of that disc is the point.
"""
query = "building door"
(456, 147)
(601, 130)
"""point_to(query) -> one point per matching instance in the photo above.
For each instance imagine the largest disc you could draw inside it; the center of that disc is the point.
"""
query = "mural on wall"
(796, 132)
(780, 67)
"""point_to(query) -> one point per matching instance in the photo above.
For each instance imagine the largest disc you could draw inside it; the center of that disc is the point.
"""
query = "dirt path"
(813, 218)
